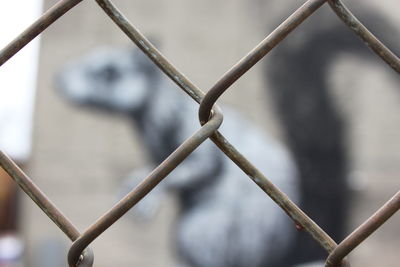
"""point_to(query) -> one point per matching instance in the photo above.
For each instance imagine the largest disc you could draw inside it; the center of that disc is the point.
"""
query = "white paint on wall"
(18, 78)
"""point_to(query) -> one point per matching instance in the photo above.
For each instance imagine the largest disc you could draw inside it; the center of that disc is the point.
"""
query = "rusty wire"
(364, 231)
(280, 198)
(154, 178)
(80, 254)
(369, 39)
(50, 16)
(45, 204)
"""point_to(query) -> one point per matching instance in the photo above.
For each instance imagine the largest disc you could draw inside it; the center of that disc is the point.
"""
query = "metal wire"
(144, 187)
(364, 231)
(297, 215)
(54, 13)
(257, 54)
(210, 118)
(45, 204)
(370, 40)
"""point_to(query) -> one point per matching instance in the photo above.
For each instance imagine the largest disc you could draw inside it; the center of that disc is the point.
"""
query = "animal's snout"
(70, 86)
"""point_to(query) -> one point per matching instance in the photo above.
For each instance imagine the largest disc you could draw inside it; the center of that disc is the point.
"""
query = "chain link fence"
(211, 118)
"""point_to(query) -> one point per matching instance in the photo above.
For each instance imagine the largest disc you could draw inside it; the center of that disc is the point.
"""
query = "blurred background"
(79, 157)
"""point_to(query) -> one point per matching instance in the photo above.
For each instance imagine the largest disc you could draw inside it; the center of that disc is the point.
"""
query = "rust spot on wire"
(299, 227)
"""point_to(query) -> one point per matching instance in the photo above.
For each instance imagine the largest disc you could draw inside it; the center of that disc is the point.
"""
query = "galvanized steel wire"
(211, 118)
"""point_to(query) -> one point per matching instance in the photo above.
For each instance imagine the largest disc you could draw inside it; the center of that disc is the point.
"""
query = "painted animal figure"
(225, 220)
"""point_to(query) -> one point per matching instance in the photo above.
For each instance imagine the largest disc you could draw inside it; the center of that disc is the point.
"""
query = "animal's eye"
(110, 73)
(107, 73)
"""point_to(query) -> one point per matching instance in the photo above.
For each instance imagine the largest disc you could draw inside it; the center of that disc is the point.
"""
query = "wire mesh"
(211, 118)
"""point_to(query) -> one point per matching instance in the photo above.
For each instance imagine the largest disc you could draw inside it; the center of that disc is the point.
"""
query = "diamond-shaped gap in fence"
(274, 38)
